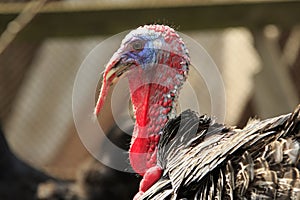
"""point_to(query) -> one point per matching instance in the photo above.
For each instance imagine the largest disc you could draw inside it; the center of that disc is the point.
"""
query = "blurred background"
(254, 43)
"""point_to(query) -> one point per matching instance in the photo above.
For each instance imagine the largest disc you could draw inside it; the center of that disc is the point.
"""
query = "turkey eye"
(138, 45)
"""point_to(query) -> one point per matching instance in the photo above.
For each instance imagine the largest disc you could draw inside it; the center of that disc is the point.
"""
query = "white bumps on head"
(157, 43)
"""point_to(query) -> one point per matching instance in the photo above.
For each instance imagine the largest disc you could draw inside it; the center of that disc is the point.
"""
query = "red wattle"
(151, 108)
(140, 152)
(140, 100)
(150, 177)
(138, 155)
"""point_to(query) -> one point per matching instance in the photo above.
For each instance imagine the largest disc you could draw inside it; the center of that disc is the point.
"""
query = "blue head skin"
(147, 46)
(140, 50)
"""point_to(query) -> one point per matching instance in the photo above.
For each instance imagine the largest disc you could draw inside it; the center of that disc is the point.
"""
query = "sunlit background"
(255, 44)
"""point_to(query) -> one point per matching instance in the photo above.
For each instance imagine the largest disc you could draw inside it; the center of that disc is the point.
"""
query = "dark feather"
(205, 160)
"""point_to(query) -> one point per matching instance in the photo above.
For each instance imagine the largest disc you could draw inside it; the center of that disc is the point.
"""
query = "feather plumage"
(205, 160)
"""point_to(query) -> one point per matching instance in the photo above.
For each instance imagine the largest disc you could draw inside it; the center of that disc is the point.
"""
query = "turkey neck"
(153, 98)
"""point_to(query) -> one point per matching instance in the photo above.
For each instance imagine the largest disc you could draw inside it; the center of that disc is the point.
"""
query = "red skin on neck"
(142, 153)
(149, 96)
(148, 91)
(145, 138)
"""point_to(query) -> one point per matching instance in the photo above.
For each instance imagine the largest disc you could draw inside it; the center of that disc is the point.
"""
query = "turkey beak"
(113, 71)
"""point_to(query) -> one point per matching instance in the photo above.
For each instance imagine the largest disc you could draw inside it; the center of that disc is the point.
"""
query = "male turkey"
(191, 156)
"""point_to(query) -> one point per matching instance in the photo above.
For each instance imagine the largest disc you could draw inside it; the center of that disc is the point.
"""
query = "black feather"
(205, 160)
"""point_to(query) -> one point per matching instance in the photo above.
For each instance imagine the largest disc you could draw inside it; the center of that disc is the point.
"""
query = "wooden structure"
(76, 18)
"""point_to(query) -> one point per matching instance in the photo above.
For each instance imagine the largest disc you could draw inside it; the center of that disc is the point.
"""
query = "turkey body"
(205, 160)
(191, 156)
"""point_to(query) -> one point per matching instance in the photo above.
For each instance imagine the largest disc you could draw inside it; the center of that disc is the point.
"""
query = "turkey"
(191, 156)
